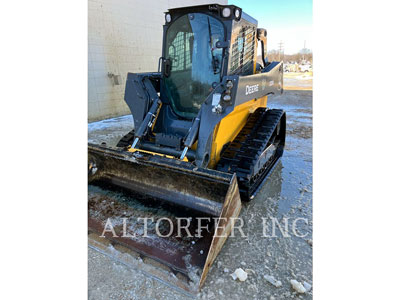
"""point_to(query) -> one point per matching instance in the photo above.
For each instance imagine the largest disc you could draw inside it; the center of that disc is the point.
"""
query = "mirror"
(167, 67)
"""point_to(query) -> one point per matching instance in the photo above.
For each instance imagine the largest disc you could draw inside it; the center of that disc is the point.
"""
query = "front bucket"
(173, 216)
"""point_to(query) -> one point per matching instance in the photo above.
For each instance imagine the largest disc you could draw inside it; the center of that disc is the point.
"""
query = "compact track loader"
(203, 140)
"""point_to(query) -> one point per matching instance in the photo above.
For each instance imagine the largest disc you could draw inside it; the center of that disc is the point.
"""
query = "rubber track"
(242, 154)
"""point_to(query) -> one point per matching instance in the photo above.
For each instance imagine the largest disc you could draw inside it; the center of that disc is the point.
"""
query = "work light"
(226, 12)
(237, 13)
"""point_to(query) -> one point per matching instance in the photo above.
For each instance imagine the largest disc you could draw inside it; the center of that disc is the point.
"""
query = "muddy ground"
(287, 194)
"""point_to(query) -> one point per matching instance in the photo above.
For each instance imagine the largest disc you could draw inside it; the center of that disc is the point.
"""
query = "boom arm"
(150, 116)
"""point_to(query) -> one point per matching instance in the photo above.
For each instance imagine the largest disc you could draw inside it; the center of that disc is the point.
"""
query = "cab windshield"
(195, 61)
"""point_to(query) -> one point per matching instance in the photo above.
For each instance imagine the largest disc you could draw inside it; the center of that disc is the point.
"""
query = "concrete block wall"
(123, 36)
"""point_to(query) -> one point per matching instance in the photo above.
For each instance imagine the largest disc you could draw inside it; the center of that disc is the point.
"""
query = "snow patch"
(272, 280)
(239, 274)
(297, 286)
(307, 286)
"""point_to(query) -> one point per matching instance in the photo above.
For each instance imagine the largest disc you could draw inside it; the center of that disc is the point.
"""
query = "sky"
(289, 21)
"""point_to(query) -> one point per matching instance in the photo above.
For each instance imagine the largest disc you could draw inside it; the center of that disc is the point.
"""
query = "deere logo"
(250, 89)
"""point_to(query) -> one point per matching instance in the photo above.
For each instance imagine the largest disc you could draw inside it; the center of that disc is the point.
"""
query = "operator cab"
(195, 59)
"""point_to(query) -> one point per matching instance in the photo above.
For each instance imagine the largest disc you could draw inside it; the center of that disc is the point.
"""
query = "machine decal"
(250, 89)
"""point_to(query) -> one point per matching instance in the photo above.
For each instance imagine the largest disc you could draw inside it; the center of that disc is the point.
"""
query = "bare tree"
(273, 55)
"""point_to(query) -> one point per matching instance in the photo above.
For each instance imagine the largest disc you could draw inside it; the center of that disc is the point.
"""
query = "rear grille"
(242, 52)
(182, 52)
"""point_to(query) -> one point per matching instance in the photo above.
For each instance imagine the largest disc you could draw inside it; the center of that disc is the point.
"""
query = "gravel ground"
(287, 194)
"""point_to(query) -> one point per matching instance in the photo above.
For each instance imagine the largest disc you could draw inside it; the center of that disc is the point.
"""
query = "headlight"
(168, 18)
(237, 13)
(226, 12)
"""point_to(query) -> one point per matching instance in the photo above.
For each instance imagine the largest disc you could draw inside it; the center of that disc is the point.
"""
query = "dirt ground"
(287, 194)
